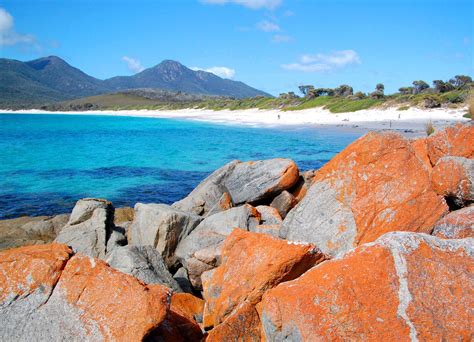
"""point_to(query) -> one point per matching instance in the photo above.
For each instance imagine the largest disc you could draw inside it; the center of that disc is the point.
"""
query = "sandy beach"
(412, 120)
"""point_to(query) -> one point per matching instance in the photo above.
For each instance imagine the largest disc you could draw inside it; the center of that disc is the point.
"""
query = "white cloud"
(133, 64)
(8, 36)
(253, 4)
(324, 62)
(220, 71)
(281, 38)
(268, 26)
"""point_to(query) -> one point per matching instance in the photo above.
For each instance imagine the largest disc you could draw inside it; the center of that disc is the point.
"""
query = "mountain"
(51, 79)
(172, 75)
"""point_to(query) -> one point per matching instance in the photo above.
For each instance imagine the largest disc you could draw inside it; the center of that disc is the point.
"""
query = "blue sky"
(273, 45)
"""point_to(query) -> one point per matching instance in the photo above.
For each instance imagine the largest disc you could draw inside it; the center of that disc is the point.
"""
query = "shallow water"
(47, 162)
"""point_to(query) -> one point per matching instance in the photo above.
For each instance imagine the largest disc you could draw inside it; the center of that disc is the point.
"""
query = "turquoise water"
(47, 162)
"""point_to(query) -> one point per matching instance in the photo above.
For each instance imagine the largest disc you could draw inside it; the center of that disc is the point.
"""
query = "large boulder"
(458, 224)
(453, 177)
(201, 250)
(47, 295)
(252, 263)
(144, 263)
(376, 185)
(89, 227)
(452, 141)
(208, 193)
(30, 230)
(163, 227)
(254, 181)
(405, 286)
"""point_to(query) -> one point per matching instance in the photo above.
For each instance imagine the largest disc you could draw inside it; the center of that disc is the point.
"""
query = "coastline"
(412, 120)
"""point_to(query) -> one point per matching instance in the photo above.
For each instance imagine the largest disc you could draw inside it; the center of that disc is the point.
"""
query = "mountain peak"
(43, 62)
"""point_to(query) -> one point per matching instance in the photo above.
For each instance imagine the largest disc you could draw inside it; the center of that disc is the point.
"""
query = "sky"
(272, 45)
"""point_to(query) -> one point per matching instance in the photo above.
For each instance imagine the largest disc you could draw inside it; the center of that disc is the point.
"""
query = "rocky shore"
(376, 245)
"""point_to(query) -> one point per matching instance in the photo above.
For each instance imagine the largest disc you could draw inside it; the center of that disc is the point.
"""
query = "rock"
(301, 187)
(454, 141)
(116, 239)
(30, 230)
(251, 264)
(84, 209)
(200, 251)
(241, 325)
(144, 263)
(405, 286)
(47, 295)
(182, 278)
(162, 227)
(89, 227)
(269, 229)
(421, 151)
(454, 177)
(284, 202)
(224, 203)
(376, 185)
(269, 215)
(125, 214)
(254, 181)
(458, 224)
(208, 193)
(188, 306)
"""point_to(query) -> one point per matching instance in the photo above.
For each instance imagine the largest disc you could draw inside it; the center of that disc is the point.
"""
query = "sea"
(48, 162)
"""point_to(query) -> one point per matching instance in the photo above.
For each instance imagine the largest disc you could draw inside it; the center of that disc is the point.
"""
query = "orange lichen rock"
(188, 306)
(48, 295)
(376, 185)
(454, 177)
(405, 286)
(251, 264)
(458, 224)
(455, 141)
(25, 270)
(242, 325)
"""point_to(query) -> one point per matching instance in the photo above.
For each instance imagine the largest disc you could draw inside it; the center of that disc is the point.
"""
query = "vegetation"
(429, 128)
(453, 93)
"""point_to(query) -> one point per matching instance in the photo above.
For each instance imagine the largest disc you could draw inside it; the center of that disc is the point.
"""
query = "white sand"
(412, 119)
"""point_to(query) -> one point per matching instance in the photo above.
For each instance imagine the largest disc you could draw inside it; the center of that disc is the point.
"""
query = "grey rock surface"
(144, 263)
(269, 215)
(317, 218)
(163, 227)
(269, 229)
(89, 227)
(201, 250)
(205, 196)
(254, 181)
(85, 207)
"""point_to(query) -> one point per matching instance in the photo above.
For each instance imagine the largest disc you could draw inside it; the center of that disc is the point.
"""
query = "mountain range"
(51, 79)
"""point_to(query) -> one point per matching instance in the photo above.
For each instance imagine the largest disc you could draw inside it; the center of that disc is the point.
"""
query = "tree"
(324, 92)
(343, 90)
(442, 87)
(419, 86)
(460, 81)
(378, 93)
(406, 90)
(305, 89)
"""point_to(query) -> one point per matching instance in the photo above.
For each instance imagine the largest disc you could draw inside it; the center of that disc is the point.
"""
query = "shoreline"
(412, 120)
